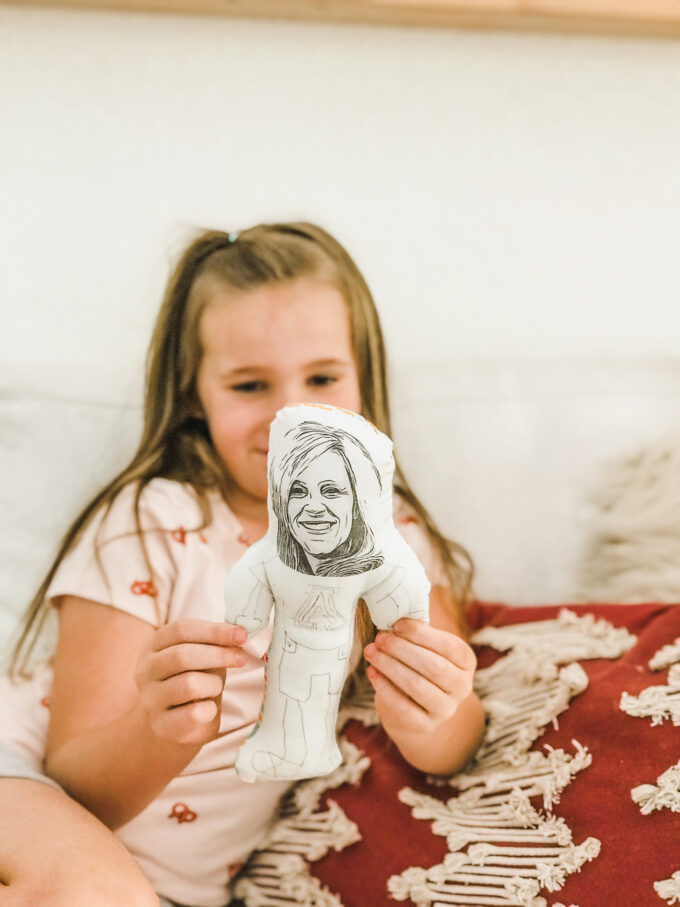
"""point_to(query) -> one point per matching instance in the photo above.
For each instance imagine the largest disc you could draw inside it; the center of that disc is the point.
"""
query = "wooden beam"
(629, 17)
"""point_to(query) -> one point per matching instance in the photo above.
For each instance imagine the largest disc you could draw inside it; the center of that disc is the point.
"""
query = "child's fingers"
(191, 686)
(191, 723)
(392, 701)
(427, 695)
(429, 664)
(186, 708)
(193, 657)
(449, 646)
(190, 630)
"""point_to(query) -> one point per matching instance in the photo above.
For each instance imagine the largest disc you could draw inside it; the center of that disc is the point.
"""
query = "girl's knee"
(67, 893)
(56, 854)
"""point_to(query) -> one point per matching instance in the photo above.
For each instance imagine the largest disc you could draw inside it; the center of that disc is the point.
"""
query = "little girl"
(143, 727)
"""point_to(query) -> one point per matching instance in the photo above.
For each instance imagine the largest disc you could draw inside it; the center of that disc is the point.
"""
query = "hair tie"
(233, 237)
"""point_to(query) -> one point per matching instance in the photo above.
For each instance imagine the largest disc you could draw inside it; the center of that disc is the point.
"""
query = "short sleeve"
(414, 532)
(107, 563)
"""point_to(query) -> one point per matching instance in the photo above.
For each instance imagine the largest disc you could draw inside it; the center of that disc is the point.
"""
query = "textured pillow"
(572, 799)
(632, 535)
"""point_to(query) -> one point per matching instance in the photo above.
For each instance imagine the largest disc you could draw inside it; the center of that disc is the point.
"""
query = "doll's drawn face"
(320, 504)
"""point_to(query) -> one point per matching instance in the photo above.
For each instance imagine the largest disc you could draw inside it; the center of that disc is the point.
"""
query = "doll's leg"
(281, 748)
(53, 852)
(319, 718)
(309, 746)
(330, 749)
(294, 740)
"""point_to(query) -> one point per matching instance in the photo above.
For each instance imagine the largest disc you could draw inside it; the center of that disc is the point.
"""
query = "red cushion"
(636, 850)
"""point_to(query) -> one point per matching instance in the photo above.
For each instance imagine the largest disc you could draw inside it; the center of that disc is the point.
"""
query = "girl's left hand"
(420, 675)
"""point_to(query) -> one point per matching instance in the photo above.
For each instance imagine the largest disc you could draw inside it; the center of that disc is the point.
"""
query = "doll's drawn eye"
(297, 490)
(333, 491)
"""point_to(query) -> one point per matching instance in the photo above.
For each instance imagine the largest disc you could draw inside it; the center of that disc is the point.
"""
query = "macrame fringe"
(277, 875)
(534, 851)
(305, 797)
(513, 850)
(660, 703)
(669, 889)
(666, 656)
(538, 774)
(630, 551)
(664, 795)
(493, 875)
(275, 879)
(569, 637)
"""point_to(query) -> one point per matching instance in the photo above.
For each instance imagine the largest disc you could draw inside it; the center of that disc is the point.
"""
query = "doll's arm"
(404, 592)
(247, 593)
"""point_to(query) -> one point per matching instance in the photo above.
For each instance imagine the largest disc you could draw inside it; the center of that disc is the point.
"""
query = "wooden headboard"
(659, 18)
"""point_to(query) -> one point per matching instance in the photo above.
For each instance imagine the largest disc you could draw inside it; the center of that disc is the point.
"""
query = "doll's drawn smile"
(318, 526)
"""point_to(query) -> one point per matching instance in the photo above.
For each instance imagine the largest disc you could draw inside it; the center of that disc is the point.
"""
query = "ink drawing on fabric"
(331, 541)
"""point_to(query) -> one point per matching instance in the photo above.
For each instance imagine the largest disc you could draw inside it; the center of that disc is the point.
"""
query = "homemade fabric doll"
(331, 540)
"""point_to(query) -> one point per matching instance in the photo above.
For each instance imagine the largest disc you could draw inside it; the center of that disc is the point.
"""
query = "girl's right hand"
(181, 674)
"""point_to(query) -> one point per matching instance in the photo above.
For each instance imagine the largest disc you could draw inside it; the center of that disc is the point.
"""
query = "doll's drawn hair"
(307, 442)
(175, 441)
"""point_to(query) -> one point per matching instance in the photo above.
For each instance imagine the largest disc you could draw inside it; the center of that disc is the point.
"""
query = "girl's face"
(264, 349)
(320, 505)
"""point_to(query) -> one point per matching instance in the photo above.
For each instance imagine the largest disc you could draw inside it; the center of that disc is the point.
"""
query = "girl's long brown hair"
(175, 442)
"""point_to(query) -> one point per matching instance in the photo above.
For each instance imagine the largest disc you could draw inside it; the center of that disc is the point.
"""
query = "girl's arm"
(422, 675)
(131, 705)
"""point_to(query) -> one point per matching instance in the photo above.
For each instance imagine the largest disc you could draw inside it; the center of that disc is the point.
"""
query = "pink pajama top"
(197, 833)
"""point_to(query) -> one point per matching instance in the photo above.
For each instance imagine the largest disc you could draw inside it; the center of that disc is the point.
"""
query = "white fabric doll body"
(331, 541)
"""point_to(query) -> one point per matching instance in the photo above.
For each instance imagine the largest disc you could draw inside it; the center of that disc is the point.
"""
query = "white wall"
(507, 195)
